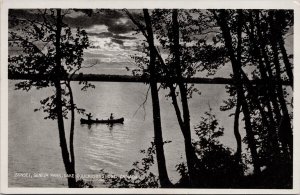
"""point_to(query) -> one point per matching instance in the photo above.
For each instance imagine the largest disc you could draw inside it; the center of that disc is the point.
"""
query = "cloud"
(102, 34)
(108, 30)
(111, 35)
(123, 41)
(22, 13)
(115, 20)
(90, 54)
(118, 41)
(96, 29)
(105, 44)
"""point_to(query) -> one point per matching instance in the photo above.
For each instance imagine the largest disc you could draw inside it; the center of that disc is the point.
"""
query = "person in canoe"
(111, 117)
(89, 116)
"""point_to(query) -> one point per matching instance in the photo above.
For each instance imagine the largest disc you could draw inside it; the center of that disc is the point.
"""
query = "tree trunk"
(158, 138)
(272, 133)
(190, 153)
(189, 149)
(275, 94)
(237, 134)
(236, 67)
(286, 135)
(251, 91)
(280, 40)
(273, 145)
(72, 163)
(264, 55)
(286, 61)
(250, 134)
(58, 100)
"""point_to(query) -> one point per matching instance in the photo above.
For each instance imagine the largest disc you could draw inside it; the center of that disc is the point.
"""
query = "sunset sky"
(113, 39)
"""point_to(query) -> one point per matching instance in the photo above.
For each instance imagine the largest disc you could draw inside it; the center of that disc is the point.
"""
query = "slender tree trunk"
(189, 150)
(264, 55)
(72, 163)
(286, 60)
(252, 93)
(250, 134)
(280, 40)
(237, 134)
(241, 95)
(60, 120)
(255, 98)
(275, 95)
(236, 67)
(190, 153)
(272, 133)
(286, 134)
(158, 138)
(273, 92)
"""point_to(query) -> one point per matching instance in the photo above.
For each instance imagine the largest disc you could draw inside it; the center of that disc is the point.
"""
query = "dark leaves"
(140, 175)
(35, 39)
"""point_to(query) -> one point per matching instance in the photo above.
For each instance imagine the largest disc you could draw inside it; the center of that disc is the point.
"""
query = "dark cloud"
(95, 55)
(124, 37)
(110, 18)
(21, 14)
(128, 47)
(111, 35)
(102, 35)
(120, 28)
(118, 41)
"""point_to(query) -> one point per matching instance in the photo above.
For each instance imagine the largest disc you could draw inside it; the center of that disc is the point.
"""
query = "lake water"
(34, 144)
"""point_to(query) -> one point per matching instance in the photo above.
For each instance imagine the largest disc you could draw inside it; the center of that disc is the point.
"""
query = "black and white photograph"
(167, 98)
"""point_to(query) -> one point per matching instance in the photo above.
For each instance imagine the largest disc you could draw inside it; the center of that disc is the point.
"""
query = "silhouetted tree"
(178, 65)
(216, 166)
(49, 48)
(185, 121)
(265, 91)
(260, 29)
(234, 54)
(153, 73)
(276, 37)
(250, 39)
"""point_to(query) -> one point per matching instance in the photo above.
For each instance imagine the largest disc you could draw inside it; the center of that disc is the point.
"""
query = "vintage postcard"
(150, 96)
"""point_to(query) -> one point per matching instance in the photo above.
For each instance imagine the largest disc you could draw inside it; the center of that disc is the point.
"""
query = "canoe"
(109, 121)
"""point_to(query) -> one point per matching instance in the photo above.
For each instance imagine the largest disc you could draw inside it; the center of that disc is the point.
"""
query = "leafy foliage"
(32, 41)
(83, 184)
(140, 176)
(216, 164)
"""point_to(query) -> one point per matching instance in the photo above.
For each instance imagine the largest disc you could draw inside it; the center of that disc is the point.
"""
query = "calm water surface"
(34, 143)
